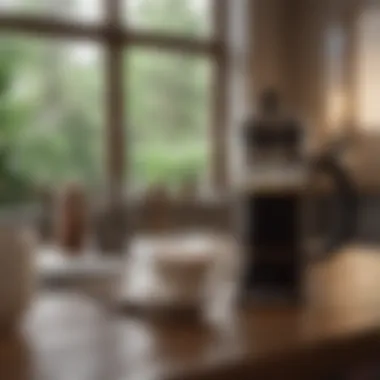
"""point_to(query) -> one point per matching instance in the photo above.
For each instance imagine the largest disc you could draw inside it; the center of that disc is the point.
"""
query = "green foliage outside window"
(52, 108)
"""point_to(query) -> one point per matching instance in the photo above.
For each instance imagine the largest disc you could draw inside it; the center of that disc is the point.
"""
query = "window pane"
(187, 17)
(51, 113)
(168, 108)
(369, 74)
(334, 76)
(83, 10)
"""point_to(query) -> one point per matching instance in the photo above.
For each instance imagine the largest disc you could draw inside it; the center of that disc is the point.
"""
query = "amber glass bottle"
(72, 219)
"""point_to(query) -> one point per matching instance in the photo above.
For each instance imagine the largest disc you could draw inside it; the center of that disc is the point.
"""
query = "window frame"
(116, 38)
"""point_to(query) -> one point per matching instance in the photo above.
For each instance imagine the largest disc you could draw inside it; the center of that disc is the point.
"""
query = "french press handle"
(342, 225)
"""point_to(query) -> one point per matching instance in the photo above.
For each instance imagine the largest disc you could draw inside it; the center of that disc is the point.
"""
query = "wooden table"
(68, 337)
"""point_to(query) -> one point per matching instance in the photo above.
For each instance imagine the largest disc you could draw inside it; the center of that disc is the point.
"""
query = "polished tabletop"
(70, 337)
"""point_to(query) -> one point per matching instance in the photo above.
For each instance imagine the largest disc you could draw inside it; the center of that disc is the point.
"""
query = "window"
(185, 17)
(69, 10)
(335, 81)
(136, 99)
(52, 112)
(368, 68)
(168, 105)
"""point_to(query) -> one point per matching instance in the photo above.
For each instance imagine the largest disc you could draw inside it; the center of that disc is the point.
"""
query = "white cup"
(16, 273)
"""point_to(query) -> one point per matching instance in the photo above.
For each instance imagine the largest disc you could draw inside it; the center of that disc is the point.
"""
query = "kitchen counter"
(69, 336)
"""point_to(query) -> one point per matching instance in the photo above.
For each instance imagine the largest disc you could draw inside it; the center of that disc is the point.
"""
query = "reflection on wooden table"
(69, 336)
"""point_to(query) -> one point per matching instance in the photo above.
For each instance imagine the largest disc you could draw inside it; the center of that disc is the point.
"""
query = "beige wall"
(286, 52)
(289, 40)
(266, 40)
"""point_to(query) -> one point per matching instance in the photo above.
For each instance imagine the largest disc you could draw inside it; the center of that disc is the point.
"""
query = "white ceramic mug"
(16, 273)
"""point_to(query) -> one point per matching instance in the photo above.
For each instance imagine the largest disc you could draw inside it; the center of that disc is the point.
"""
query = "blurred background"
(134, 110)
(55, 83)
(125, 95)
